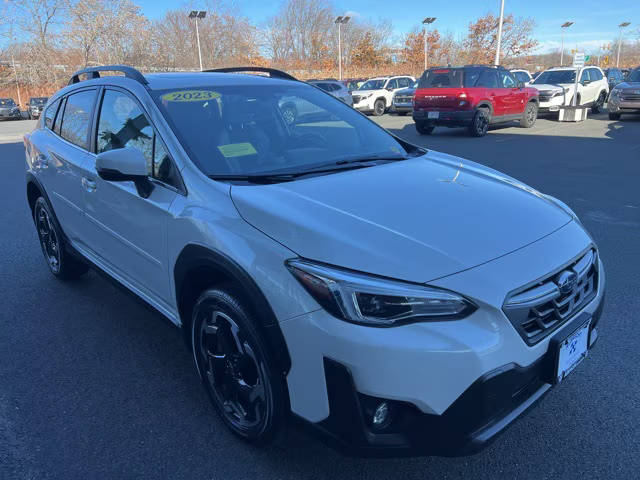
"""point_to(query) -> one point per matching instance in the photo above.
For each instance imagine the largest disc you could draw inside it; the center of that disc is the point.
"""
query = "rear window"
(77, 118)
(441, 78)
(635, 76)
(6, 102)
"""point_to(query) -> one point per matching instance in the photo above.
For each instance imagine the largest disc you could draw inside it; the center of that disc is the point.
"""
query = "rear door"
(128, 233)
(488, 85)
(586, 92)
(515, 97)
(64, 154)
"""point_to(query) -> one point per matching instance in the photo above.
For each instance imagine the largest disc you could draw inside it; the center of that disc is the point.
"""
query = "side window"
(50, 114)
(585, 75)
(393, 83)
(122, 124)
(507, 80)
(595, 74)
(76, 119)
(488, 79)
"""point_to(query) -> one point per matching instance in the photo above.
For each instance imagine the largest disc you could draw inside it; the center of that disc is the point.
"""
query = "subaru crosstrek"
(473, 96)
(397, 300)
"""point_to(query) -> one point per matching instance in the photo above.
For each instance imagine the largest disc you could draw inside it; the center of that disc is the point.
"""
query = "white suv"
(376, 94)
(557, 88)
(320, 268)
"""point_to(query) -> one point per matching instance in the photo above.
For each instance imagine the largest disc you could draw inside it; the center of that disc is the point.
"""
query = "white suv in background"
(376, 94)
(557, 87)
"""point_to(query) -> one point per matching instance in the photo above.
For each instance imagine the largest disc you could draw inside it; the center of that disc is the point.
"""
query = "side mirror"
(586, 82)
(520, 84)
(389, 89)
(125, 164)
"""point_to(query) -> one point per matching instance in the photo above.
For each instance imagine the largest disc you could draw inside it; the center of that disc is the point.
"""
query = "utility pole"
(15, 76)
(340, 21)
(426, 22)
(497, 62)
(196, 14)
(562, 27)
(622, 25)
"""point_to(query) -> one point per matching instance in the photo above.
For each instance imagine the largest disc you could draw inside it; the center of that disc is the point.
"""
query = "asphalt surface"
(95, 385)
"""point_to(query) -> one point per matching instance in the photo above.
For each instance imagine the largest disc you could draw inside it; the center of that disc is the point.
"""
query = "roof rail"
(271, 71)
(94, 72)
(499, 67)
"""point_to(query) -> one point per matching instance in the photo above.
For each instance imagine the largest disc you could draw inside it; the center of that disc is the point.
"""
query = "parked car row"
(9, 110)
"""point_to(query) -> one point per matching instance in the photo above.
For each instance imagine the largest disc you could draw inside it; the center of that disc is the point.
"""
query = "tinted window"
(488, 79)
(163, 168)
(324, 86)
(50, 114)
(239, 130)
(77, 118)
(442, 78)
(584, 76)
(507, 80)
(7, 102)
(372, 84)
(556, 76)
(393, 83)
(595, 74)
(521, 76)
(635, 75)
(122, 124)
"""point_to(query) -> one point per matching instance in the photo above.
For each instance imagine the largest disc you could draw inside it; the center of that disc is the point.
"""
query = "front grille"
(630, 97)
(545, 97)
(537, 310)
(402, 99)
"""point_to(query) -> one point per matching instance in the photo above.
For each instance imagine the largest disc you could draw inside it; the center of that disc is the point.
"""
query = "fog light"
(381, 416)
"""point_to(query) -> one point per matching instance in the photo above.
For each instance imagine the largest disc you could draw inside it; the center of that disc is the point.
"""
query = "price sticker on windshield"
(237, 150)
(190, 96)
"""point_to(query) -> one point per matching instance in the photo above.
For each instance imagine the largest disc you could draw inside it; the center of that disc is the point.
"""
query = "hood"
(628, 85)
(417, 220)
(551, 86)
(362, 93)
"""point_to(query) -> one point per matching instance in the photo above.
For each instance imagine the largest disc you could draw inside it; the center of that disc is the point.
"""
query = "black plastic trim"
(271, 71)
(94, 73)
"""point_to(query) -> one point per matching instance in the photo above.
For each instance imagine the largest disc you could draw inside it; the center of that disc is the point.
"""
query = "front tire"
(236, 368)
(62, 264)
(529, 116)
(597, 107)
(379, 106)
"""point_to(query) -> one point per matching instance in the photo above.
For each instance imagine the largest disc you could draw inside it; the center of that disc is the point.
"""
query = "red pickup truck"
(473, 96)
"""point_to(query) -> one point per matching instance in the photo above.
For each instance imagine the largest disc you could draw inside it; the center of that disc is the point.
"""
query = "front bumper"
(471, 423)
(620, 105)
(442, 376)
(402, 107)
(460, 118)
(7, 114)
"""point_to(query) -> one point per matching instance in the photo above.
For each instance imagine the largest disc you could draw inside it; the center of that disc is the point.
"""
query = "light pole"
(198, 14)
(497, 62)
(340, 21)
(562, 27)
(426, 22)
(622, 25)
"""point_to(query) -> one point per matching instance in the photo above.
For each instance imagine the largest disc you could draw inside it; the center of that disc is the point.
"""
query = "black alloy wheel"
(62, 264)
(231, 359)
(379, 107)
(529, 116)
(599, 104)
(480, 123)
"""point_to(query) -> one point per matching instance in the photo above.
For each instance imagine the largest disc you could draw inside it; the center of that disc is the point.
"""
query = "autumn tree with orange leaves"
(413, 49)
(482, 38)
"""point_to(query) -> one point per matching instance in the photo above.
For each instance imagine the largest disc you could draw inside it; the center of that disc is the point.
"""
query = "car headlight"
(557, 94)
(366, 96)
(616, 92)
(374, 301)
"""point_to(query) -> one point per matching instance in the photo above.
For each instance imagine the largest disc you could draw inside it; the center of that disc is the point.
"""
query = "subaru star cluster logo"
(567, 281)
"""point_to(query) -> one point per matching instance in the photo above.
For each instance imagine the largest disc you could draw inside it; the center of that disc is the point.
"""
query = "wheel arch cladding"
(198, 268)
(486, 105)
(33, 192)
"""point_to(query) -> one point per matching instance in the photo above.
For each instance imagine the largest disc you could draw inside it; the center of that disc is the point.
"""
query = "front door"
(128, 232)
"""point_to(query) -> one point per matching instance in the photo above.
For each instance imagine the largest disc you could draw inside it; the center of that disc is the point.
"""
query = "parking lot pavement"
(11, 131)
(95, 385)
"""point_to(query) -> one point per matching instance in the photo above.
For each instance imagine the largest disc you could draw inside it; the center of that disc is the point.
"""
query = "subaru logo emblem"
(567, 281)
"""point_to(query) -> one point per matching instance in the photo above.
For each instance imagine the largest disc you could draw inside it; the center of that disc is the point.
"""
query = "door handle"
(89, 185)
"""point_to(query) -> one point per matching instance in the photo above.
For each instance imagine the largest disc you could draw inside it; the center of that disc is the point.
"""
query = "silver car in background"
(402, 102)
(625, 96)
(335, 88)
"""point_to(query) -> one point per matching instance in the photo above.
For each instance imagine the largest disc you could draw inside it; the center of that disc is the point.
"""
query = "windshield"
(635, 75)
(372, 84)
(441, 78)
(521, 76)
(38, 100)
(556, 76)
(7, 102)
(240, 130)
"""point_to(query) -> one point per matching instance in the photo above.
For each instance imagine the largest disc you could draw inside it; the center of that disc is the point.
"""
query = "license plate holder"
(433, 115)
(571, 351)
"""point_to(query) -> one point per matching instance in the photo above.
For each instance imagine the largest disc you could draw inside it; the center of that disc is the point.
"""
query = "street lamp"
(562, 27)
(622, 25)
(340, 21)
(497, 62)
(198, 14)
(426, 22)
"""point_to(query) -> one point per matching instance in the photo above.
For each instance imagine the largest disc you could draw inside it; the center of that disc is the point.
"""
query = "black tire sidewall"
(375, 107)
(474, 127)
(230, 302)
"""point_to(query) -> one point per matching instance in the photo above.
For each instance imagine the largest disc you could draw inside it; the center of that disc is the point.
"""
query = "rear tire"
(597, 107)
(235, 366)
(61, 263)
(614, 116)
(402, 114)
(379, 106)
(423, 128)
(480, 123)
(529, 116)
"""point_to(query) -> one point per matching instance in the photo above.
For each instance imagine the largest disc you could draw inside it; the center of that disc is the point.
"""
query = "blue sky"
(595, 20)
